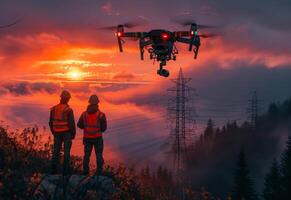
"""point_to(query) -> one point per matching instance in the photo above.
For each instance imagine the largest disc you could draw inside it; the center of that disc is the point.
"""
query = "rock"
(58, 187)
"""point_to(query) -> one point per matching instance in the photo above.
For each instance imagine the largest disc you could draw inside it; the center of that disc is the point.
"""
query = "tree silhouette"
(272, 188)
(286, 171)
(2, 159)
(243, 186)
(209, 131)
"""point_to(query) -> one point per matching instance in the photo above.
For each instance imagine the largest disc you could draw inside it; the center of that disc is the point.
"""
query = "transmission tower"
(181, 118)
(253, 109)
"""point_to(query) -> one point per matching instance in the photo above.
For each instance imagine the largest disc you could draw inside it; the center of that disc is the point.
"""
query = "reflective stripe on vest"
(92, 124)
(60, 118)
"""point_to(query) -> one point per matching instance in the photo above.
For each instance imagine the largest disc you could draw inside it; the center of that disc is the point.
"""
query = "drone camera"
(163, 72)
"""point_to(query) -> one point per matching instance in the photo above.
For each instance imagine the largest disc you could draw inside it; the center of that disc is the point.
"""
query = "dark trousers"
(89, 143)
(59, 139)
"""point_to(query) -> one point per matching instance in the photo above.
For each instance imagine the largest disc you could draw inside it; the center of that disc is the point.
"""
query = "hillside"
(24, 163)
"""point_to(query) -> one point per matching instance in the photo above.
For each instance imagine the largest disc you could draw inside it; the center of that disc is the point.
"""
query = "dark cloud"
(27, 88)
(24, 115)
(24, 88)
(271, 14)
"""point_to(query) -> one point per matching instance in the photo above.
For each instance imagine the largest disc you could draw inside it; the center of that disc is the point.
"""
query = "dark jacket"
(71, 121)
(93, 109)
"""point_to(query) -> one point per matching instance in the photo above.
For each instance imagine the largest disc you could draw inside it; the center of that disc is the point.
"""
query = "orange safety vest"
(92, 124)
(60, 118)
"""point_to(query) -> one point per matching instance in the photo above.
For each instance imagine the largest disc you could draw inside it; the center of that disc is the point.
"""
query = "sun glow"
(75, 75)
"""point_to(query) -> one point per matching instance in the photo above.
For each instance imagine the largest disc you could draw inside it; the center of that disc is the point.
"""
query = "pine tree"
(286, 171)
(209, 131)
(243, 188)
(272, 190)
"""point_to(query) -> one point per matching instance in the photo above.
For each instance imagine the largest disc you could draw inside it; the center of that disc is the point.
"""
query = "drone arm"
(190, 41)
(135, 34)
(119, 40)
(184, 40)
(120, 34)
(141, 48)
(182, 33)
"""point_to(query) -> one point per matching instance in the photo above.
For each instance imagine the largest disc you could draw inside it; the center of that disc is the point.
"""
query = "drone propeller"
(9, 25)
(187, 22)
(126, 25)
(109, 28)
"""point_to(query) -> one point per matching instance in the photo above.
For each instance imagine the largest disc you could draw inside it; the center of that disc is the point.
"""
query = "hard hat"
(93, 99)
(65, 94)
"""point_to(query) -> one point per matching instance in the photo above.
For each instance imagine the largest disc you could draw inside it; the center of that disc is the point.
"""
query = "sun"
(75, 75)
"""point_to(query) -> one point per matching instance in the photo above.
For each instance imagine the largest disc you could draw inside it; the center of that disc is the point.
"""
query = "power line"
(131, 116)
(136, 146)
(147, 146)
(132, 124)
(137, 143)
(138, 103)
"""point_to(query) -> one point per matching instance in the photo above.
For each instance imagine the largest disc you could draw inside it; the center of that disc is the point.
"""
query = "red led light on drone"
(165, 36)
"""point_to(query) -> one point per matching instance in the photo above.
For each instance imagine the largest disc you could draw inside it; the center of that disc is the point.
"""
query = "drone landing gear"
(163, 72)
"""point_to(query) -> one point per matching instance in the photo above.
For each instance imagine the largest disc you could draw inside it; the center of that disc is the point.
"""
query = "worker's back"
(94, 124)
(62, 125)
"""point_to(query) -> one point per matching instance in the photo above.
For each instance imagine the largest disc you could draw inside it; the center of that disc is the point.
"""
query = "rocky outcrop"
(74, 187)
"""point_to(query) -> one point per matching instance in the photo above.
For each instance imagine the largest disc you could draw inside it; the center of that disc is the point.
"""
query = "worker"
(62, 126)
(94, 124)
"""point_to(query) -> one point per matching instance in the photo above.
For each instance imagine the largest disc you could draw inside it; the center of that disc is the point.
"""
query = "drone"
(160, 43)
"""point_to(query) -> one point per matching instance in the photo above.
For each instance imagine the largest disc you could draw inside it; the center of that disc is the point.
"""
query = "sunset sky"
(56, 46)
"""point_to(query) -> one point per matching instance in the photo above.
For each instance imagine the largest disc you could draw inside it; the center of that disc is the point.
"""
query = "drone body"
(160, 43)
